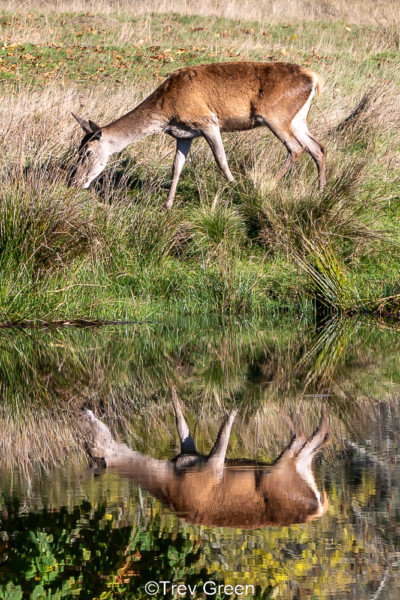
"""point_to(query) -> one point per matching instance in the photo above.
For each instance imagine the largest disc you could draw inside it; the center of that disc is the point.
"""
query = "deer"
(212, 490)
(205, 100)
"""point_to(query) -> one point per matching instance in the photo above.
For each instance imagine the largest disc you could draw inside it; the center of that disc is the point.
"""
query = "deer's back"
(240, 89)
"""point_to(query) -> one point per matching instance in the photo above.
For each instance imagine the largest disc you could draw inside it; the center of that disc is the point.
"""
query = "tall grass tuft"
(338, 214)
(42, 226)
(216, 226)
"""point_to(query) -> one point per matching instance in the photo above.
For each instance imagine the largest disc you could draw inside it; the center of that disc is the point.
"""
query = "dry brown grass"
(383, 12)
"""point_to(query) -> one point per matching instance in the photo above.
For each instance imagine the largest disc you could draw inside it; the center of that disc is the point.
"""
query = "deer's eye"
(89, 153)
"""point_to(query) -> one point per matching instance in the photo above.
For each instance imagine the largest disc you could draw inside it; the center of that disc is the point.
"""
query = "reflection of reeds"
(318, 364)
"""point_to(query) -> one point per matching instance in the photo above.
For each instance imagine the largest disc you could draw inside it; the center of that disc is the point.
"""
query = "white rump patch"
(303, 467)
(299, 121)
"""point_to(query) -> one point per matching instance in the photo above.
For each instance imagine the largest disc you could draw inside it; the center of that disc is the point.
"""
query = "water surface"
(72, 531)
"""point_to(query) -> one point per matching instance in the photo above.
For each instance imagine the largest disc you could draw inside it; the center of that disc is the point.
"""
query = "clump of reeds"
(287, 218)
(216, 225)
(43, 226)
(329, 284)
(377, 108)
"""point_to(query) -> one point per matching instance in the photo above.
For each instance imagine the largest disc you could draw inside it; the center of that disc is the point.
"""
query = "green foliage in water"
(82, 553)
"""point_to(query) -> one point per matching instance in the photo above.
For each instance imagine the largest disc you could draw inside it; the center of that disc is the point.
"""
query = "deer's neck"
(142, 121)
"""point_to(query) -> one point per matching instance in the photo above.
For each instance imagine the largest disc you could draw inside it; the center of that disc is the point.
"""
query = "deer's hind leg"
(283, 131)
(187, 442)
(299, 127)
(182, 150)
(316, 150)
(293, 132)
(212, 134)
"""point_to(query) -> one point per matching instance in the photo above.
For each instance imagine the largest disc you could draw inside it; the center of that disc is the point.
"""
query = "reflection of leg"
(182, 150)
(298, 441)
(219, 450)
(319, 437)
(187, 443)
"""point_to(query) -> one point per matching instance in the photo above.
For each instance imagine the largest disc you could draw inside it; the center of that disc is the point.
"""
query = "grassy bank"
(110, 252)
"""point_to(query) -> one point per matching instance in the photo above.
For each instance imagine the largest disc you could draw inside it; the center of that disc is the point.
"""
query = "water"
(68, 530)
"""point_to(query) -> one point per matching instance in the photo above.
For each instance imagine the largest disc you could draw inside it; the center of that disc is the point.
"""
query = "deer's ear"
(84, 124)
(95, 128)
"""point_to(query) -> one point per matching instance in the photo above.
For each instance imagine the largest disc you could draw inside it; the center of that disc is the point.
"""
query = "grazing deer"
(211, 490)
(205, 100)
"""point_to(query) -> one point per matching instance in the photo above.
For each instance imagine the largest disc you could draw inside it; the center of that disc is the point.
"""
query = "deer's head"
(93, 154)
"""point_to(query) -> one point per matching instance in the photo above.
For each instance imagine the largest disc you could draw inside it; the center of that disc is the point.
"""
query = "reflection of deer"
(210, 490)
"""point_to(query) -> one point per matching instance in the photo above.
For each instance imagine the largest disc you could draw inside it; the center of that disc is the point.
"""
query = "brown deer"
(205, 100)
(211, 490)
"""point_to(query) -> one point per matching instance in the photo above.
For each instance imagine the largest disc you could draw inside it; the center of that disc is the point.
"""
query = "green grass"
(122, 48)
(248, 248)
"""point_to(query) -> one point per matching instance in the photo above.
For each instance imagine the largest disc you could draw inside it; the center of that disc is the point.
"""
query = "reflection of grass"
(320, 361)
(47, 378)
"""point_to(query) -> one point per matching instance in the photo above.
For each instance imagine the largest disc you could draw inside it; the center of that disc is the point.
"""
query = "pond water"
(69, 529)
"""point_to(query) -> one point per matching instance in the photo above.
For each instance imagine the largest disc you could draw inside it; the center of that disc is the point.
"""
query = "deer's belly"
(239, 123)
